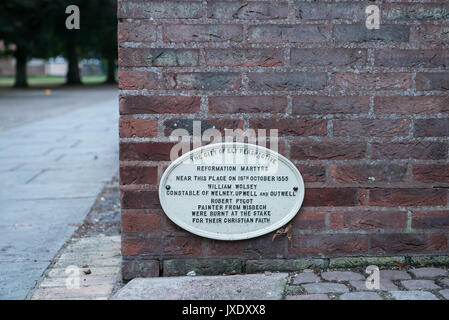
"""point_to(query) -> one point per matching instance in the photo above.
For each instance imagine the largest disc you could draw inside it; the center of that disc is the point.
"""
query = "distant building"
(7, 67)
(52, 67)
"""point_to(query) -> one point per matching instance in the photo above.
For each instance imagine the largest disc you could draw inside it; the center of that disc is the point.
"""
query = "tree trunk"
(111, 71)
(73, 73)
(21, 69)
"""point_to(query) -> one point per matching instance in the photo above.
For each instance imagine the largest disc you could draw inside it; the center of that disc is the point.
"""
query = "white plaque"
(231, 191)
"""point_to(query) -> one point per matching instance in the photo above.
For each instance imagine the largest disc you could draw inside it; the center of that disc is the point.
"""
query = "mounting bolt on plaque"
(167, 187)
(295, 189)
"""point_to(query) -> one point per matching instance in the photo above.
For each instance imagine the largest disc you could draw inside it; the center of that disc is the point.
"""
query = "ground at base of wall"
(428, 283)
(88, 267)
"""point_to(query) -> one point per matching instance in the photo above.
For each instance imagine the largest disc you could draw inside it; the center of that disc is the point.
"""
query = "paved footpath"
(411, 284)
(51, 171)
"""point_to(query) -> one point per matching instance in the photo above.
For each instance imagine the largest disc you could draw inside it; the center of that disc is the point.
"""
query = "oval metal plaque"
(231, 191)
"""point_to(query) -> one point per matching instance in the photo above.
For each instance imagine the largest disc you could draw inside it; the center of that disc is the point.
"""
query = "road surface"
(57, 150)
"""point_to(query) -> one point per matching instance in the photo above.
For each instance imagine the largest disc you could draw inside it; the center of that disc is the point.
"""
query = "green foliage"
(21, 24)
(38, 27)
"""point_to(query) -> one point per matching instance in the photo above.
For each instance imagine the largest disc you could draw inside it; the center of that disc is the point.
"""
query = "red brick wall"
(363, 114)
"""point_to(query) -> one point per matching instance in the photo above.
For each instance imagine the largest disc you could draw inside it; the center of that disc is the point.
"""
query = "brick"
(364, 261)
(247, 104)
(328, 150)
(187, 124)
(430, 219)
(373, 81)
(288, 33)
(135, 199)
(328, 57)
(425, 150)
(202, 81)
(136, 32)
(247, 10)
(372, 127)
(411, 58)
(420, 285)
(287, 81)
(166, 225)
(359, 33)
(137, 80)
(328, 244)
(139, 223)
(407, 197)
(159, 104)
(160, 10)
(333, 197)
(431, 173)
(180, 267)
(309, 220)
(202, 33)
(146, 57)
(428, 272)
(312, 173)
(292, 127)
(325, 287)
(257, 248)
(330, 105)
(244, 57)
(139, 269)
(231, 65)
(142, 128)
(368, 220)
(407, 243)
(432, 128)
(164, 245)
(145, 151)
(333, 11)
(138, 175)
(283, 265)
(341, 276)
(435, 33)
(366, 173)
(420, 12)
(432, 81)
(411, 105)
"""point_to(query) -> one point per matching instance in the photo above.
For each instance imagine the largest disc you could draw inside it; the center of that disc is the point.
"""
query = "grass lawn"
(50, 80)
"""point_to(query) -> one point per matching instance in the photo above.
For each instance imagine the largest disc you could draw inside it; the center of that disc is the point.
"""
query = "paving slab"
(428, 272)
(306, 277)
(82, 293)
(362, 295)
(413, 295)
(341, 276)
(325, 287)
(420, 285)
(237, 287)
(308, 297)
